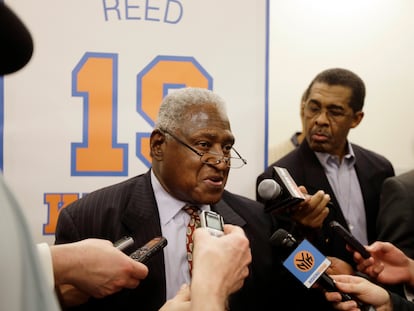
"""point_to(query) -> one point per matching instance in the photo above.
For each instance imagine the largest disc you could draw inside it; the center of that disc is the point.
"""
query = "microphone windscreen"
(269, 189)
(278, 237)
(16, 43)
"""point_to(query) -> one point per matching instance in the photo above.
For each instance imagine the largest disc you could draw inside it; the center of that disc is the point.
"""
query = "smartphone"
(349, 239)
(213, 222)
(152, 247)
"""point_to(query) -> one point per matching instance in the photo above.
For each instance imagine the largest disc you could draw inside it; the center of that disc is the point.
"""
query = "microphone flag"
(307, 263)
(290, 195)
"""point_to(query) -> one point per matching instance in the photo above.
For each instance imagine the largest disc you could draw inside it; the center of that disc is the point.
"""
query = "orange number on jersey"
(99, 154)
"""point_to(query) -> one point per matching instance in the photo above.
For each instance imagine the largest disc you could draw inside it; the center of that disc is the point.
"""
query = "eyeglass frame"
(310, 110)
(224, 158)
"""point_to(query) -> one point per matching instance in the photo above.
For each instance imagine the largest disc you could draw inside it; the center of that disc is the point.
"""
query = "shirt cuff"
(46, 263)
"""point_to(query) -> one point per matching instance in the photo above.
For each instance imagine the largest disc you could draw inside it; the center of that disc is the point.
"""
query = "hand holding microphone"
(286, 196)
(306, 263)
(280, 193)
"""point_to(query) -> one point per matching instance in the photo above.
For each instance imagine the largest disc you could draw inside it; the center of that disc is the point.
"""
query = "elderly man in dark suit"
(192, 153)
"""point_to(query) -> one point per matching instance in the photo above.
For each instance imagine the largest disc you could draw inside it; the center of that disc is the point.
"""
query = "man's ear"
(357, 118)
(157, 140)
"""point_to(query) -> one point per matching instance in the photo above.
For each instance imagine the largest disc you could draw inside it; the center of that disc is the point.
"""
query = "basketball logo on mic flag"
(307, 263)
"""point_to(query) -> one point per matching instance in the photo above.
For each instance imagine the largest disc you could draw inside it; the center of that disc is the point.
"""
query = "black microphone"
(269, 189)
(280, 192)
(277, 197)
(282, 238)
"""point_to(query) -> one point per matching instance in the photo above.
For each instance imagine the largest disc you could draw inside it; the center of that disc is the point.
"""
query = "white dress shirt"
(173, 227)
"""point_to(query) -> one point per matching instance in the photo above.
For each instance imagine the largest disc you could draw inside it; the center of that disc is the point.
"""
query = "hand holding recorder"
(145, 252)
(220, 267)
(349, 239)
(226, 258)
(373, 296)
(213, 222)
(104, 270)
(387, 264)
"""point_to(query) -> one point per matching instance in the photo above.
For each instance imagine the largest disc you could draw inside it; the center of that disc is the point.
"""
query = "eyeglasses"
(313, 110)
(212, 158)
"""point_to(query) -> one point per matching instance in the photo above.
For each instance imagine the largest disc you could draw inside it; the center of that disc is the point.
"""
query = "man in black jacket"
(350, 174)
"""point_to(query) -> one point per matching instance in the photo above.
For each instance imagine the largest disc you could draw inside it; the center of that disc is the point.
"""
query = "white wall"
(373, 38)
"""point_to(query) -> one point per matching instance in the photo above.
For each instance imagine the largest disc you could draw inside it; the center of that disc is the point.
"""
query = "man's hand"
(361, 289)
(313, 211)
(95, 267)
(338, 266)
(387, 264)
(180, 302)
(220, 265)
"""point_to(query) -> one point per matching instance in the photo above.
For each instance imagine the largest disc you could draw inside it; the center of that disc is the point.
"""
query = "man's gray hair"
(174, 107)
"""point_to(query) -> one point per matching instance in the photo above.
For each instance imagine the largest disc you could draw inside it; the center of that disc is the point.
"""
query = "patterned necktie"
(192, 225)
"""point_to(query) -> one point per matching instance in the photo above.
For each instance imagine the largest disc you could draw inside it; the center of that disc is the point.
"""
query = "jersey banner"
(78, 117)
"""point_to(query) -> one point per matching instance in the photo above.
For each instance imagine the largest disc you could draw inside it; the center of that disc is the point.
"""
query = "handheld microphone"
(269, 189)
(279, 192)
(306, 258)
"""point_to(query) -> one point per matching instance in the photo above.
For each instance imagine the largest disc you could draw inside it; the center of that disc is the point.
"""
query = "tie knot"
(191, 210)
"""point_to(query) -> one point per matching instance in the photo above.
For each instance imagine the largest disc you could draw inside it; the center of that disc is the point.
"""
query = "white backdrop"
(373, 38)
(75, 115)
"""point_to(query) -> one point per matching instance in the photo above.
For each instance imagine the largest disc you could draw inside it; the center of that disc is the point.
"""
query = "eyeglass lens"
(215, 159)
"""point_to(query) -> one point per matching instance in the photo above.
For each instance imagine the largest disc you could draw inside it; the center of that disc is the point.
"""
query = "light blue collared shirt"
(345, 184)
(173, 227)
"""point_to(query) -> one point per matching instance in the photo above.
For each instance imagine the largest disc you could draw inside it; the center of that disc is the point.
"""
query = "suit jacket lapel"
(141, 214)
(228, 214)
(141, 220)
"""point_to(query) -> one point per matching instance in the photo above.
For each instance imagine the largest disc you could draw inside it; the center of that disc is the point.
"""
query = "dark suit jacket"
(401, 304)
(396, 214)
(129, 208)
(305, 168)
